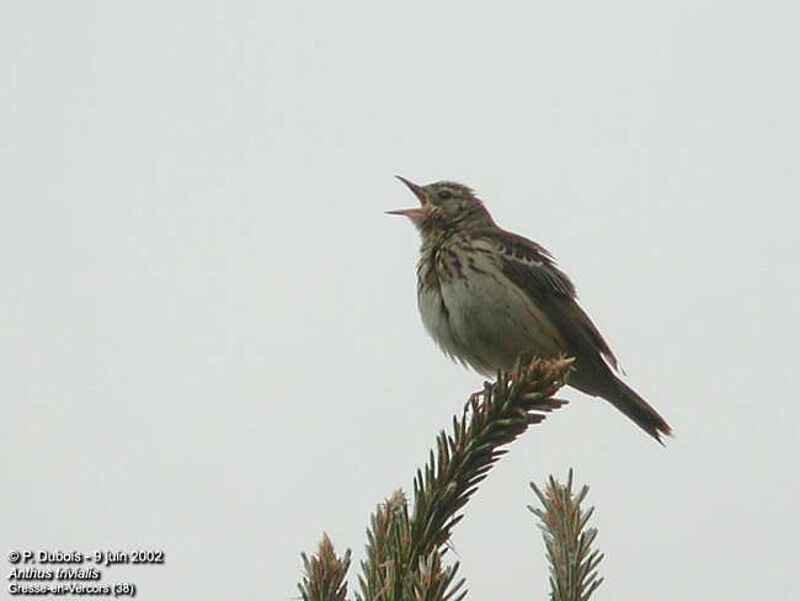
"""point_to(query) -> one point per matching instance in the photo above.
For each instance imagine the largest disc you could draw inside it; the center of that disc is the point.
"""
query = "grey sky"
(209, 340)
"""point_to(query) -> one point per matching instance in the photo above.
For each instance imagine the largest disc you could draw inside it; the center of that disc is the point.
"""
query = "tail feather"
(627, 400)
(597, 379)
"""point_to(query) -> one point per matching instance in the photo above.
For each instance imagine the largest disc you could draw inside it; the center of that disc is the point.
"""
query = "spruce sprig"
(324, 574)
(406, 546)
(573, 562)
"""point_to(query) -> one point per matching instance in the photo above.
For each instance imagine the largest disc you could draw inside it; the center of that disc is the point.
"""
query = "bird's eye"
(444, 194)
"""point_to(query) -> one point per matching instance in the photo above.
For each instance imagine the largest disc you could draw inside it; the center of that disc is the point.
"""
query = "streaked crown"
(445, 206)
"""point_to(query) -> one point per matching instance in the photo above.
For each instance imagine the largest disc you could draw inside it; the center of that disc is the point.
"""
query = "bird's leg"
(474, 398)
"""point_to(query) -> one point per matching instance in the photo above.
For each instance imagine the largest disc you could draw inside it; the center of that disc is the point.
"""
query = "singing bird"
(487, 295)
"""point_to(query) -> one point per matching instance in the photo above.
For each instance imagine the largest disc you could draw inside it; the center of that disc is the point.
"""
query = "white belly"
(487, 323)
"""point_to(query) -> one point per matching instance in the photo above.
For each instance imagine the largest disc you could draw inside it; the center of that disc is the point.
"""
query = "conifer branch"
(400, 543)
(324, 574)
(387, 574)
(493, 418)
(573, 563)
(405, 549)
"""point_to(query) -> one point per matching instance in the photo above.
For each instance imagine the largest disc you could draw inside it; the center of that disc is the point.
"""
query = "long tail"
(597, 379)
(627, 400)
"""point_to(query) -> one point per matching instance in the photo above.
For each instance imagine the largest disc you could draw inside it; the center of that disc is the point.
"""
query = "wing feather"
(531, 268)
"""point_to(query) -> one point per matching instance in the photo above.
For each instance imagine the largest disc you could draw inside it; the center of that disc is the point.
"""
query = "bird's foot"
(473, 400)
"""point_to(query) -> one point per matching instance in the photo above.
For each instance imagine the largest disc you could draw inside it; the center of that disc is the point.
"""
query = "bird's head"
(444, 206)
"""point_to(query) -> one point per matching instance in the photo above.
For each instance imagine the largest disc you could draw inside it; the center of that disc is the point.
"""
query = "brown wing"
(531, 268)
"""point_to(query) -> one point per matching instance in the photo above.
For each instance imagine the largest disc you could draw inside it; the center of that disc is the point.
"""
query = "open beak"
(419, 211)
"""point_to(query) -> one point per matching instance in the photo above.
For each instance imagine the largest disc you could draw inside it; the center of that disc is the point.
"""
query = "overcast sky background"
(209, 340)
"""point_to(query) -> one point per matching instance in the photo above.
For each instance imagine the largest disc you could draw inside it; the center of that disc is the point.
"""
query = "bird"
(487, 295)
